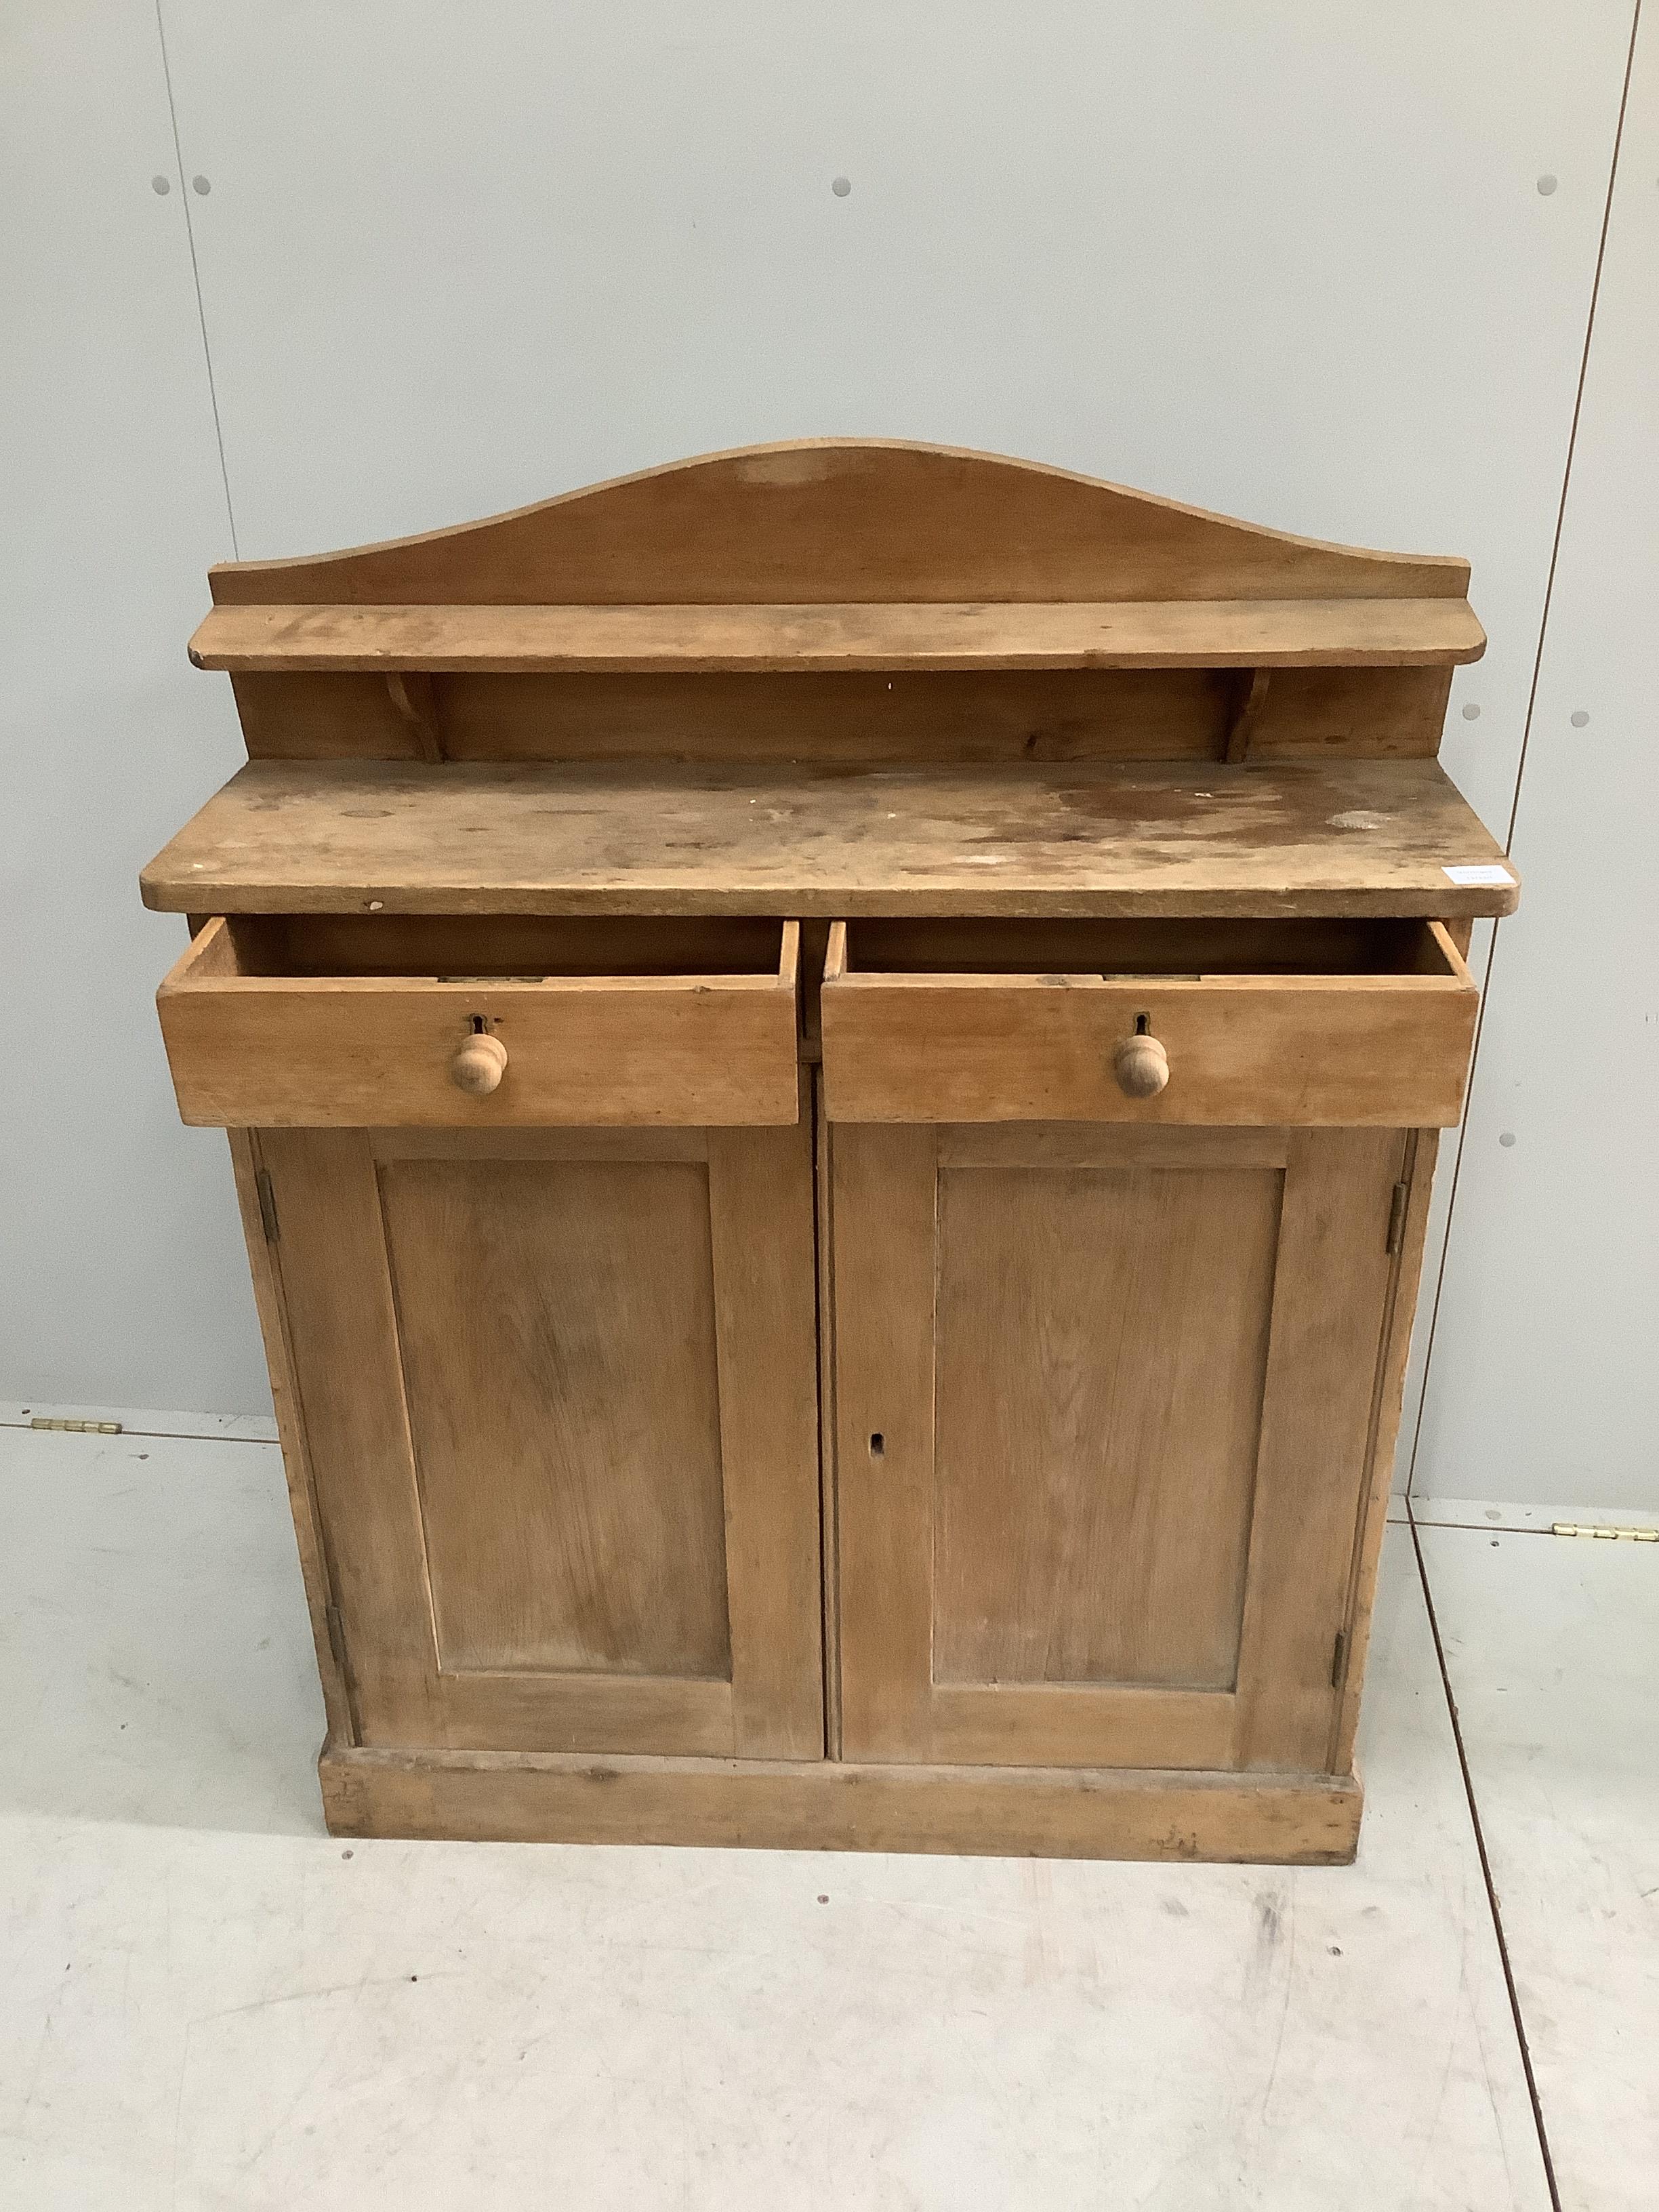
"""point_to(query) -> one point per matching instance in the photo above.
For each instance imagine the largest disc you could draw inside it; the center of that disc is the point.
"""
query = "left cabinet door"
(558, 1391)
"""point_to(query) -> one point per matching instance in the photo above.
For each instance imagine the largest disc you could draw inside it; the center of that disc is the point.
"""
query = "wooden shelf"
(1339, 837)
(1364, 633)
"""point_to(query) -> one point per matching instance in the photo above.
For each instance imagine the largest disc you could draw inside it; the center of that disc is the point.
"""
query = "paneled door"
(1104, 1399)
(557, 1388)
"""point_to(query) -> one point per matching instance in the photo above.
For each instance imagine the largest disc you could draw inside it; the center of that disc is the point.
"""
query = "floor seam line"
(1492, 1904)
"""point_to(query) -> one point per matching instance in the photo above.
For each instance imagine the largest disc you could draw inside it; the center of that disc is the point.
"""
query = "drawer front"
(1383, 1050)
(373, 1052)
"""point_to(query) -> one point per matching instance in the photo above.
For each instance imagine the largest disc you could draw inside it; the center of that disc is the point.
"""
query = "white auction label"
(1487, 872)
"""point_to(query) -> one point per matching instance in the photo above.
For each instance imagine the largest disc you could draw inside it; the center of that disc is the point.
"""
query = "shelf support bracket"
(1246, 713)
(415, 697)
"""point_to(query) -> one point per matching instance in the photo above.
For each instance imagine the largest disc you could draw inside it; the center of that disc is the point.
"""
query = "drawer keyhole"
(877, 1444)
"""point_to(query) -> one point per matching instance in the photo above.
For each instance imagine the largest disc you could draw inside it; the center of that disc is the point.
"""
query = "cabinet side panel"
(558, 1341)
(1385, 1431)
(290, 1427)
(1101, 1342)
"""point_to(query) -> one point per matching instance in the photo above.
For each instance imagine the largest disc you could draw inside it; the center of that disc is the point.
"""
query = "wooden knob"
(479, 1065)
(1141, 1066)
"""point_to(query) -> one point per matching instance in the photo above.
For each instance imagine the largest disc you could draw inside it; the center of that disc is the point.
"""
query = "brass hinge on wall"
(1606, 1530)
(267, 1204)
(1402, 1192)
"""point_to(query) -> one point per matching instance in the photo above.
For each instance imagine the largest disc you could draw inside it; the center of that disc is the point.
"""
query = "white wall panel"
(1544, 1379)
(121, 1275)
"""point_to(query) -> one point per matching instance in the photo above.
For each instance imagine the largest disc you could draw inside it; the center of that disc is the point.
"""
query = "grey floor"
(205, 2002)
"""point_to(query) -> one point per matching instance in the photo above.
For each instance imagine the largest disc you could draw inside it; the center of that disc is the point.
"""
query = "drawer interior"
(522, 947)
(1175, 945)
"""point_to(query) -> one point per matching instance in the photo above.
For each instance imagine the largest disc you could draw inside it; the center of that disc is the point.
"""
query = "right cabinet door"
(1104, 1400)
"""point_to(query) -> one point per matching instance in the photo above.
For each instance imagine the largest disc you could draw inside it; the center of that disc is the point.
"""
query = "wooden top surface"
(1383, 632)
(1340, 837)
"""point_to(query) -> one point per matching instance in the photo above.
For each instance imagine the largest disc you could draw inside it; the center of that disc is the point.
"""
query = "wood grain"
(1013, 1812)
(997, 713)
(1101, 1343)
(828, 1514)
(1332, 836)
(342, 1325)
(1345, 1050)
(280, 1052)
(509, 946)
(560, 1404)
(890, 638)
(1421, 1147)
(842, 519)
(1329, 1295)
(760, 1199)
(883, 1215)
(415, 704)
(970, 1627)
(573, 1711)
(1117, 946)
(488, 1146)
(248, 1163)
(1058, 1724)
(1123, 1398)
(557, 1330)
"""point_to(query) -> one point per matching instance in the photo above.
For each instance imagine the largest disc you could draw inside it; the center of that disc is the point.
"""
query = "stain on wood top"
(1339, 836)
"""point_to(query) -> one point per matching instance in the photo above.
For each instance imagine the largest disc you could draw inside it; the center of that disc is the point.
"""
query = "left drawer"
(315, 1021)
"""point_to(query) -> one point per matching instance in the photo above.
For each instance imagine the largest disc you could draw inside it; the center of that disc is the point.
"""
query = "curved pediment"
(843, 521)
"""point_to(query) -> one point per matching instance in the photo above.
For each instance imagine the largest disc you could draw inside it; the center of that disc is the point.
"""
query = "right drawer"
(1319, 1023)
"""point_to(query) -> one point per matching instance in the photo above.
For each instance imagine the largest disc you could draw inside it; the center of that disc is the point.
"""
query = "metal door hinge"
(1339, 1653)
(267, 1204)
(335, 1635)
(76, 1428)
(1402, 1192)
(1606, 1530)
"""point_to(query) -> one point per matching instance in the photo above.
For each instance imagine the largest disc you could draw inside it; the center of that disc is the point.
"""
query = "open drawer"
(1228, 1022)
(319, 1020)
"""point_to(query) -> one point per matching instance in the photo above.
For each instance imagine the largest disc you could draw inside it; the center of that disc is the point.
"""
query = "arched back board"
(842, 520)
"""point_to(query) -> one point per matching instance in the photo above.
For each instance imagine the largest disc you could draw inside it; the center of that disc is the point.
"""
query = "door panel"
(557, 1324)
(563, 1422)
(1101, 1340)
(1103, 1399)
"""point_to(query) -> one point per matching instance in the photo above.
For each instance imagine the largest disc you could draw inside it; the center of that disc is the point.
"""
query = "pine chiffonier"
(834, 1055)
